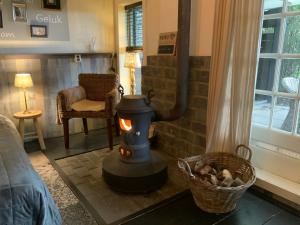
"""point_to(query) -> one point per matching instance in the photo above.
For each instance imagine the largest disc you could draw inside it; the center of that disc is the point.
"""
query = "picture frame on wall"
(167, 43)
(19, 12)
(51, 4)
(40, 31)
(1, 19)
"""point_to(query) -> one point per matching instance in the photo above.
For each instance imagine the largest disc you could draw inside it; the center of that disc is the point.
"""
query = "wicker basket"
(217, 199)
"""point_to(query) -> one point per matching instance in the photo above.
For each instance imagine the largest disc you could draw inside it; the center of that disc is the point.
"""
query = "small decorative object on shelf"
(92, 44)
(19, 11)
(40, 31)
(51, 4)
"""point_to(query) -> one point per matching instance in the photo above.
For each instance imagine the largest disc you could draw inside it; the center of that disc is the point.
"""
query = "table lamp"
(24, 80)
(132, 61)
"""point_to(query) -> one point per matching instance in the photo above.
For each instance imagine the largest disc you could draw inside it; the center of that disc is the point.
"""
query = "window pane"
(270, 36)
(265, 74)
(272, 6)
(283, 114)
(289, 76)
(134, 20)
(294, 5)
(262, 110)
(292, 35)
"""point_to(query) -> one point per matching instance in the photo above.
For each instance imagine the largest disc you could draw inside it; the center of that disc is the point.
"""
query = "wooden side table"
(31, 114)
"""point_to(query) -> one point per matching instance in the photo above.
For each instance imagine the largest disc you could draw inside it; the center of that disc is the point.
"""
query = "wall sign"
(19, 12)
(19, 15)
(167, 43)
(51, 4)
(1, 22)
(40, 31)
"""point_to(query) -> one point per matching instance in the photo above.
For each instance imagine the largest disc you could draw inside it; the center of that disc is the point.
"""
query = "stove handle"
(150, 95)
(121, 90)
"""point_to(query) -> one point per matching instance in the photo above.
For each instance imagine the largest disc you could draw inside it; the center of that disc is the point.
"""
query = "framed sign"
(51, 4)
(167, 43)
(40, 31)
(19, 12)
(1, 20)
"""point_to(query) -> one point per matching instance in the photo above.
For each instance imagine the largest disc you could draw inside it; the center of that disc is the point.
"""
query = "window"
(134, 23)
(276, 120)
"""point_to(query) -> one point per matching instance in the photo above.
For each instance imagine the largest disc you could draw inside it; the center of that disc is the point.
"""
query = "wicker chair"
(95, 97)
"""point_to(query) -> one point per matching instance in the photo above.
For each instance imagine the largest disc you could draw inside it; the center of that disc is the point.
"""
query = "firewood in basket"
(205, 170)
(226, 174)
(214, 180)
(227, 182)
(199, 164)
(237, 182)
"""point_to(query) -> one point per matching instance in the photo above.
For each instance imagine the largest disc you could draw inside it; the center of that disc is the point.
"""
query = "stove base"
(134, 178)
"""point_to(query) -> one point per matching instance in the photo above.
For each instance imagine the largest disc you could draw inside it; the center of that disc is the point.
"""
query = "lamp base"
(26, 111)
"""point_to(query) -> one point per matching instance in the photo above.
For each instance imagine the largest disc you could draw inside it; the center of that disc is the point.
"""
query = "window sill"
(280, 186)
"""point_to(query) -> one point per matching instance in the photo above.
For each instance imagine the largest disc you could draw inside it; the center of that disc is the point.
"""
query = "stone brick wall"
(187, 135)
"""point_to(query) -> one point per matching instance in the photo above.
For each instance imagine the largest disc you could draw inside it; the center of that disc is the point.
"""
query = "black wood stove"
(134, 168)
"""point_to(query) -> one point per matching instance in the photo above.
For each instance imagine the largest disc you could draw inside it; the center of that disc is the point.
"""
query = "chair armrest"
(67, 97)
(111, 100)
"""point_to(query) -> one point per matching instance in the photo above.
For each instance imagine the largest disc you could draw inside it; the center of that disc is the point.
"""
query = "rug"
(72, 211)
(83, 173)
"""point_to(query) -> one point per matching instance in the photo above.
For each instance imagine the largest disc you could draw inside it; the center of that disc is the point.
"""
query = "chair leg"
(66, 132)
(109, 133)
(85, 126)
(117, 128)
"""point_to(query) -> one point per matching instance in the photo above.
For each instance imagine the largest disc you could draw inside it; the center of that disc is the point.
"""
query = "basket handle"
(185, 167)
(244, 152)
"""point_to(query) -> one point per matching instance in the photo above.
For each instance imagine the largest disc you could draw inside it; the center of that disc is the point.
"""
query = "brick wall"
(187, 135)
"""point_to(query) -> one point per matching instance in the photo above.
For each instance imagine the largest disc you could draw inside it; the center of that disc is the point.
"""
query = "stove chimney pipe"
(182, 64)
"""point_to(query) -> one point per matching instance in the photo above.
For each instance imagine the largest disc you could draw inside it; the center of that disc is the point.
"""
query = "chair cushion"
(88, 105)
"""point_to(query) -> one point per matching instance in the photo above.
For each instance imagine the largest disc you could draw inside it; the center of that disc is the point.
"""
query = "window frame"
(268, 134)
(135, 47)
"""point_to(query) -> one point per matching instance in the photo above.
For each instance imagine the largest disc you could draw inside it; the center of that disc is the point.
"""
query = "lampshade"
(23, 80)
(132, 60)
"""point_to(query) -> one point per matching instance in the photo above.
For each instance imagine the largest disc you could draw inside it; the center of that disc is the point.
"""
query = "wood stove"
(134, 168)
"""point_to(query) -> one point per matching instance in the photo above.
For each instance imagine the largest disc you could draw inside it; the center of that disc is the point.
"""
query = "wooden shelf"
(54, 55)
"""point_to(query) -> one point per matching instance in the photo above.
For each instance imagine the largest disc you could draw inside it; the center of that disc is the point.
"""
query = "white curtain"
(233, 69)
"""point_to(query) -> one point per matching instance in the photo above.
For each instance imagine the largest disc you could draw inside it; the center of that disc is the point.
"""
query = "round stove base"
(134, 177)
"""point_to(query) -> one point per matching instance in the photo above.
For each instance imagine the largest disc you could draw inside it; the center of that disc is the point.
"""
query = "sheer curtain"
(233, 69)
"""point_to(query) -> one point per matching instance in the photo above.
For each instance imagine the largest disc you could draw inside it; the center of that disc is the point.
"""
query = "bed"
(24, 198)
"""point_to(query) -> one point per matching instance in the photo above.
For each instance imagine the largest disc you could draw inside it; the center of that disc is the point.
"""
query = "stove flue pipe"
(182, 64)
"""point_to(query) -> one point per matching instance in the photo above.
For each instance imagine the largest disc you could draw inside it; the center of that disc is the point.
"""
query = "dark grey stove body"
(134, 168)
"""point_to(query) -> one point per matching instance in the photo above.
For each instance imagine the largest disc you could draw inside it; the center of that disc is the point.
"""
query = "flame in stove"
(125, 124)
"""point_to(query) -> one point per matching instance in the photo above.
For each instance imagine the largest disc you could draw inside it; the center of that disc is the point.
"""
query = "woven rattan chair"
(95, 97)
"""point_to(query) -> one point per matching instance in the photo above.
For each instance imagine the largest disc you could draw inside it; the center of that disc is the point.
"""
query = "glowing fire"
(125, 153)
(125, 124)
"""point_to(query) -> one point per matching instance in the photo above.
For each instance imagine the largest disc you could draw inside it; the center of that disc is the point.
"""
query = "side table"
(31, 114)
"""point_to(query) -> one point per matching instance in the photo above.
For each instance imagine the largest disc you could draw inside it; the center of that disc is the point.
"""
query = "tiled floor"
(84, 174)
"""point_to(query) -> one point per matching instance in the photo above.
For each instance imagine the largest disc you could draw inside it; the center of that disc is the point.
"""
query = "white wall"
(161, 16)
(87, 19)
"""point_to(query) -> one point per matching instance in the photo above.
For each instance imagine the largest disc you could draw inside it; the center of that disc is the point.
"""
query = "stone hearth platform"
(83, 174)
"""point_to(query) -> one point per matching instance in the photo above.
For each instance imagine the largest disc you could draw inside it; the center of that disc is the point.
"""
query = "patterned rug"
(72, 211)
